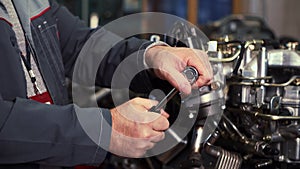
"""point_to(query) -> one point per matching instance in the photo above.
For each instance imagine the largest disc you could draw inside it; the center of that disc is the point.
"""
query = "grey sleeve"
(32, 132)
(91, 56)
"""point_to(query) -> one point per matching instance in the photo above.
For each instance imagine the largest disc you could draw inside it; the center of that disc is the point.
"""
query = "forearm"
(53, 135)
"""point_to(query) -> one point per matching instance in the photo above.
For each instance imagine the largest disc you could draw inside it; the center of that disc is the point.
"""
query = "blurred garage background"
(282, 16)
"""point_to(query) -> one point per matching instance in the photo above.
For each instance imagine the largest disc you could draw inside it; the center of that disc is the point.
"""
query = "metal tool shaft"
(191, 74)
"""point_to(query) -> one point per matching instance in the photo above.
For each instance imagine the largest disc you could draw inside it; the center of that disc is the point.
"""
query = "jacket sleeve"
(31, 132)
(74, 36)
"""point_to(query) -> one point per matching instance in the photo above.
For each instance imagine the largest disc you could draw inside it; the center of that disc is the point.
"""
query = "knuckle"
(144, 146)
(146, 134)
(141, 146)
(163, 135)
(164, 124)
(167, 124)
(143, 132)
(139, 153)
(136, 100)
(160, 137)
(207, 79)
(201, 53)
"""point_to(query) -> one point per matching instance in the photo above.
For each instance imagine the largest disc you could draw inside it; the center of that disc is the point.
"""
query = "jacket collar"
(27, 11)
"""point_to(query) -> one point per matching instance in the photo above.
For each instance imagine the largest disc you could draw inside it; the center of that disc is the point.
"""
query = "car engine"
(249, 117)
(259, 125)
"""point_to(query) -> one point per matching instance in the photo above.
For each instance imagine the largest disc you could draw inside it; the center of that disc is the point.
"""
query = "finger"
(150, 146)
(151, 117)
(146, 103)
(136, 153)
(203, 66)
(158, 138)
(202, 82)
(205, 74)
(146, 145)
(178, 80)
(163, 113)
(160, 124)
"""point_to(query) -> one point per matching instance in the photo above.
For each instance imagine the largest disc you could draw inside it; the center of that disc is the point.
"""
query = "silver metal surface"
(229, 160)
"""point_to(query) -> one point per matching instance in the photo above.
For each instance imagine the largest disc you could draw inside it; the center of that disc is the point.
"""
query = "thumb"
(160, 124)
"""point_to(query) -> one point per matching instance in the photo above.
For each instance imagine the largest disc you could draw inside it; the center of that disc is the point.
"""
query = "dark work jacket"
(36, 135)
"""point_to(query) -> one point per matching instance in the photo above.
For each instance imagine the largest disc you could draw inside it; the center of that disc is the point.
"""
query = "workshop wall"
(283, 16)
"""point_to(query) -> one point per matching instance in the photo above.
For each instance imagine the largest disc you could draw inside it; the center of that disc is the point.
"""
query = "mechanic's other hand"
(169, 62)
(134, 129)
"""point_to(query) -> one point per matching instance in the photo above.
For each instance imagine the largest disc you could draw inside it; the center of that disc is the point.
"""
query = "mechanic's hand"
(169, 62)
(134, 129)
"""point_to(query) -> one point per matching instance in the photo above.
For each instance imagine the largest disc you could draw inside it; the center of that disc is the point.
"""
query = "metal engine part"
(228, 160)
(263, 101)
(260, 127)
(257, 85)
